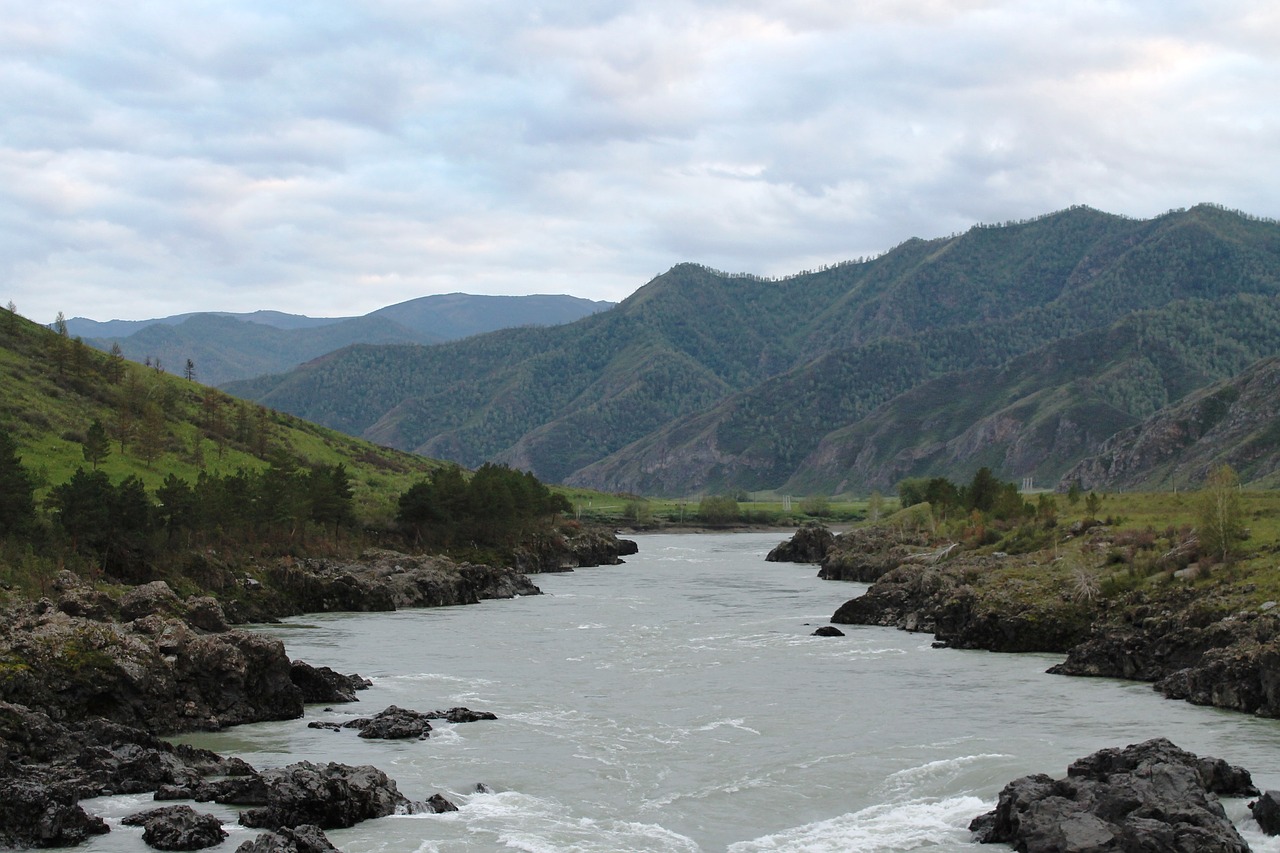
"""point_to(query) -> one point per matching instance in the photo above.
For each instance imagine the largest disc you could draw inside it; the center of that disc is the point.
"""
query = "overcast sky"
(329, 158)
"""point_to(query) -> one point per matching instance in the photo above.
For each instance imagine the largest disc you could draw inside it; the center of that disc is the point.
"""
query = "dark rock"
(150, 599)
(329, 796)
(388, 580)
(1266, 811)
(177, 828)
(809, 544)
(460, 715)
(828, 631)
(322, 684)
(1151, 796)
(155, 672)
(307, 838)
(392, 723)
(437, 804)
(205, 613)
(570, 548)
(33, 814)
(865, 554)
(325, 724)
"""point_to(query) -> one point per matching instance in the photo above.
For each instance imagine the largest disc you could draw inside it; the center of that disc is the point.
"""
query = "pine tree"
(97, 446)
(17, 501)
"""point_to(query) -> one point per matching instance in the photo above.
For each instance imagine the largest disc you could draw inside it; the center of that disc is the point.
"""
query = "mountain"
(226, 346)
(1235, 422)
(702, 380)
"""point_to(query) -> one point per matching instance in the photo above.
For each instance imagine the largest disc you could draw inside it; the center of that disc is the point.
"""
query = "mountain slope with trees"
(703, 380)
(224, 347)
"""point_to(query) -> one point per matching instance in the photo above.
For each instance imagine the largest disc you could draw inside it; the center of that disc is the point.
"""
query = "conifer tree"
(97, 446)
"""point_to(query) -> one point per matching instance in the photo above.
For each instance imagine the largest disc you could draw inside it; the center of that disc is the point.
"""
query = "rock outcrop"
(329, 796)
(300, 839)
(154, 672)
(1147, 797)
(322, 684)
(178, 828)
(395, 723)
(388, 580)
(572, 548)
(1266, 811)
(865, 554)
(809, 544)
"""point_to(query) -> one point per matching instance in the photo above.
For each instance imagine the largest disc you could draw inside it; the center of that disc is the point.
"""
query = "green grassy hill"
(53, 388)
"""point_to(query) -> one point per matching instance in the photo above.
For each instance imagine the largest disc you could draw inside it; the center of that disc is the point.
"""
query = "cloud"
(333, 157)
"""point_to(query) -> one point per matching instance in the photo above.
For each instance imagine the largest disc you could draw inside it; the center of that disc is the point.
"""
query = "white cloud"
(333, 157)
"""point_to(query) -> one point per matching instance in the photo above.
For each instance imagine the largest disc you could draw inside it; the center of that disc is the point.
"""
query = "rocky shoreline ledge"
(91, 678)
(1192, 642)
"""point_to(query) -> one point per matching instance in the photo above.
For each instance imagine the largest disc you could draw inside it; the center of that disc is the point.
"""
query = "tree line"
(127, 530)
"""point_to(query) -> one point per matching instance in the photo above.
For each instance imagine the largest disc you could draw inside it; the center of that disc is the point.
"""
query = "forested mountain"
(226, 346)
(1234, 422)
(703, 380)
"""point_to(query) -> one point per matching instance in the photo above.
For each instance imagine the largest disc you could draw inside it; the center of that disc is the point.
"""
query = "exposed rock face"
(177, 828)
(33, 814)
(809, 544)
(322, 684)
(1191, 654)
(154, 672)
(1266, 811)
(939, 600)
(572, 548)
(300, 839)
(1147, 797)
(388, 580)
(867, 553)
(46, 766)
(393, 723)
(328, 796)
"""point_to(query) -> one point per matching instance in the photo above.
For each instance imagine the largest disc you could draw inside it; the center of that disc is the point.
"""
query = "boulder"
(307, 838)
(392, 723)
(322, 684)
(330, 796)
(809, 544)
(1147, 797)
(177, 828)
(1266, 811)
(34, 814)
(155, 598)
(828, 631)
(437, 804)
(460, 715)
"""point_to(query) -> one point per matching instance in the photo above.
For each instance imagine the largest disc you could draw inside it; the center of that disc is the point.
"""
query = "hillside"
(159, 424)
(226, 346)
(703, 380)
(1234, 422)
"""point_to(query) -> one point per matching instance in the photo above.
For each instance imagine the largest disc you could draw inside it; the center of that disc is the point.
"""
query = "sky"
(330, 158)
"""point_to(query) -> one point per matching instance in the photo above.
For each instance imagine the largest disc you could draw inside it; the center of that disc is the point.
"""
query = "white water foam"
(888, 828)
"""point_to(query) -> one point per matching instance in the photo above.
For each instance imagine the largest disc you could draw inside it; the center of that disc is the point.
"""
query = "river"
(679, 703)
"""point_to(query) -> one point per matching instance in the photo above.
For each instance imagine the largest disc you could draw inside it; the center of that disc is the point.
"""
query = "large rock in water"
(301, 839)
(178, 828)
(1144, 798)
(37, 815)
(809, 544)
(329, 796)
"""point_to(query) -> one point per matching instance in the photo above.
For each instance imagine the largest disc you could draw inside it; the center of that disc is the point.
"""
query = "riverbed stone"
(330, 796)
(177, 828)
(1146, 797)
(307, 838)
(1266, 811)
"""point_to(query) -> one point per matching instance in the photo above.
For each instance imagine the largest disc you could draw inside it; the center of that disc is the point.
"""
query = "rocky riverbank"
(90, 677)
(1202, 642)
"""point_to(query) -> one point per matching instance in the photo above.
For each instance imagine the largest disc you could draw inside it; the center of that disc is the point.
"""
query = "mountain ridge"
(732, 381)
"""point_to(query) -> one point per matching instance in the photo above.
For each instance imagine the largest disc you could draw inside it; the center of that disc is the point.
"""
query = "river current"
(680, 703)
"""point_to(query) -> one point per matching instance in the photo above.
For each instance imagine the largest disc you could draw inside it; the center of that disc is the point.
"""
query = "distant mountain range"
(226, 346)
(1024, 347)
